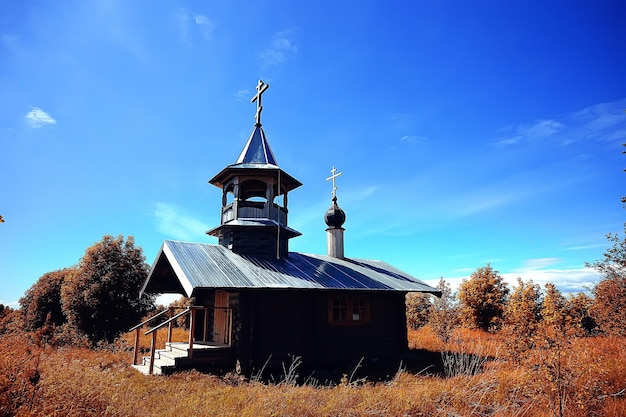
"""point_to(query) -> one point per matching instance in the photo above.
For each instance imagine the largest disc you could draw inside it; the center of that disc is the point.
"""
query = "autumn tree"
(553, 308)
(418, 309)
(43, 301)
(483, 299)
(521, 317)
(10, 320)
(579, 307)
(101, 296)
(444, 317)
(609, 309)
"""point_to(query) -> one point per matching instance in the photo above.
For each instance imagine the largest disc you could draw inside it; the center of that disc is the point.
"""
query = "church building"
(256, 304)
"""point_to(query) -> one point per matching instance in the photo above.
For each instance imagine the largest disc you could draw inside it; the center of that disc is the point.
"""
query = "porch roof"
(184, 267)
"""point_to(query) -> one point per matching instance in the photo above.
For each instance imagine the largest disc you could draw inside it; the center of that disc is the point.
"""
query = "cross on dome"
(332, 177)
(261, 87)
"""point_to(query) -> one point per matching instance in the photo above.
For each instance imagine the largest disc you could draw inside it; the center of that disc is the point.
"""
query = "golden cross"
(332, 177)
(261, 87)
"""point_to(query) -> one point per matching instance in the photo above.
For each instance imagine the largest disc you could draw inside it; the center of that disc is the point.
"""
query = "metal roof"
(257, 149)
(191, 266)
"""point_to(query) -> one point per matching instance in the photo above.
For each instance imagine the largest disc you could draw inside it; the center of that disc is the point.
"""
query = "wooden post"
(192, 324)
(169, 327)
(230, 327)
(206, 324)
(152, 348)
(136, 349)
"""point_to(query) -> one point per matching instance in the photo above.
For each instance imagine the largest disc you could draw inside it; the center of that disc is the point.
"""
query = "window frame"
(351, 303)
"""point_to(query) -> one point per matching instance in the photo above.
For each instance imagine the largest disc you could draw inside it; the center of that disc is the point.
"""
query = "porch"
(208, 348)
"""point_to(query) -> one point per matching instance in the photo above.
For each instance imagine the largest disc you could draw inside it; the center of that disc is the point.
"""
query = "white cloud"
(177, 223)
(186, 21)
(539, 130)
(11, 304)
(566, 280)
(242, 94)
(600, 122)
(413, 139)
(201, 20)
(38, 118)
(538, 263)
(280, 50)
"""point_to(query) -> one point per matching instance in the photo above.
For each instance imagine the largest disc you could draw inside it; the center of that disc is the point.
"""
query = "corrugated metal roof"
(200, 265)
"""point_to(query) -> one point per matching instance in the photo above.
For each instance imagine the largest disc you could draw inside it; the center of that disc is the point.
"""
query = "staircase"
(216, 355)
(175, 357)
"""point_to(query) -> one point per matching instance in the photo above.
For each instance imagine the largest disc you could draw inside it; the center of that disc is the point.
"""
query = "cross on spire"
(261, 87)
(332, 177)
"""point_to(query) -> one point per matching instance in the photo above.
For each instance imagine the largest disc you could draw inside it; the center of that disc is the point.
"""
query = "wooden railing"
(254, 210)
(224, 331)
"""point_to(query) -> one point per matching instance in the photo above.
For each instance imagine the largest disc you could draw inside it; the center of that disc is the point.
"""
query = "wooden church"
(256, 305)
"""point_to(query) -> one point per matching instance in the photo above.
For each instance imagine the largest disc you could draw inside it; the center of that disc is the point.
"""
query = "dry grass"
(37, 380)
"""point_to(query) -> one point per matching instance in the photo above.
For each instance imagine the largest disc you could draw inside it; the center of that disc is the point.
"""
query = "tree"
(418, 308)
(579, 308)
(483, 299)
(553, 308)
(444, 317)
(101, 296)
(609, 308)
(521, 317)
(43, 299)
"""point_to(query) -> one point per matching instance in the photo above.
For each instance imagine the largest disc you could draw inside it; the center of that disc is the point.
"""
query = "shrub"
(483, 299)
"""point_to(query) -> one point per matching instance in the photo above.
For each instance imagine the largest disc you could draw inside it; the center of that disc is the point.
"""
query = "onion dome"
(335, 216)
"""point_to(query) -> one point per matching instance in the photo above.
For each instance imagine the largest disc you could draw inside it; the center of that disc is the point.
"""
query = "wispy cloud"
(600, 122)
(281, 49)
(201, 20)
(539, 263)
(37, 118)
(242, 94)
(413, 139)
(177, 223)
(541, 129)
(189, 22)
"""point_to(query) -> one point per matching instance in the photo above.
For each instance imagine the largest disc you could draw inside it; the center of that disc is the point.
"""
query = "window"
(353, 310)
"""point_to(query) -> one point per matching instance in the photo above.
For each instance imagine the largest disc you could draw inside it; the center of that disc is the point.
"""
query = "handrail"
(168, 321)
(191, 310)
(150, 319)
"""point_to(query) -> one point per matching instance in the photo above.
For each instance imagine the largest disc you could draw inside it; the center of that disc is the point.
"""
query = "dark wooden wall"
(290, 322)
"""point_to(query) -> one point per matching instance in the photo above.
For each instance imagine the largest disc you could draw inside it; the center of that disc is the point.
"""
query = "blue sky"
(467, 132)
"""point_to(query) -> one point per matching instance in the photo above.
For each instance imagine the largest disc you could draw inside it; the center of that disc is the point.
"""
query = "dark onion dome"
(335, 216)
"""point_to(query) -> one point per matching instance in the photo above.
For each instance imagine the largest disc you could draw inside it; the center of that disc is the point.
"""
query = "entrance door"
(221, 318)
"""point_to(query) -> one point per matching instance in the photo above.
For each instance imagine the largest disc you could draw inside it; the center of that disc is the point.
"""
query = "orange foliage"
(39, 380)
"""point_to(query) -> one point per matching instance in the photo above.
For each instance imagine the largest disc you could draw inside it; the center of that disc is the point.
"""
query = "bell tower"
(254, 197)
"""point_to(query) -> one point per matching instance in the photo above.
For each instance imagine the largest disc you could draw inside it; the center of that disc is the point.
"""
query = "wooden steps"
(175, 357)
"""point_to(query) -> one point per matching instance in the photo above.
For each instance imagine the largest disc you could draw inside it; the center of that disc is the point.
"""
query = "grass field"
(584, 377)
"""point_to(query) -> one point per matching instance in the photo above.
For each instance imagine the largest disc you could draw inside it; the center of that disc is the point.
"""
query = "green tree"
(444, 315)
(43, 300)
(101, 296)
(609, 308)
(521, 318)
(418, 308)
(483, 299)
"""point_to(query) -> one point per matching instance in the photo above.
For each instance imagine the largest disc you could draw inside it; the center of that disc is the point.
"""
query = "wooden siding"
(296, 323)
(255, 242)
